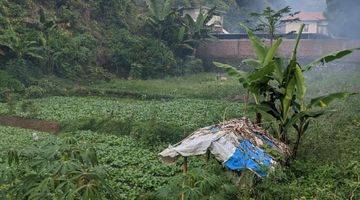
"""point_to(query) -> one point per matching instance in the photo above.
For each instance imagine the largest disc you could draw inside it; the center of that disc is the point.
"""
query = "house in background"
(315, 23)
(216, 21)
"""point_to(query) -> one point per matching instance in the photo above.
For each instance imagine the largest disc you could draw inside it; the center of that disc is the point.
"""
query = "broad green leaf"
(329, 58)
(314, 114)
(288, 97)
(291, 121)
(186, 46)
(34, 55)
(305, 114)
(278, 71)
(306, 126)
(262, 72)
(189, 20)
(258, 46)
(300, 82)
(167, 6)
(264, 107)
(232, 71)
(324, 101)
(297, 42)
(271, 52)
(181, 33)
(252, 63)
(152, 6)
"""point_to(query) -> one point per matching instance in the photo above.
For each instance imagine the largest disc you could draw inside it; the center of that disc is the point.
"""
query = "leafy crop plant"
(279, 90)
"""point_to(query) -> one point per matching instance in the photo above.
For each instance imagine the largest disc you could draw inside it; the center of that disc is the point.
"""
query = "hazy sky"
(307, 5)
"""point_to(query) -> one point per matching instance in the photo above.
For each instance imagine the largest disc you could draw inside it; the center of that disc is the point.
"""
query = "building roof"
(217, 12)
(309, 16)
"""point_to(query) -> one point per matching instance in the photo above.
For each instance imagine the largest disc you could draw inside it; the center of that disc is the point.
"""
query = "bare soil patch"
(33, 124)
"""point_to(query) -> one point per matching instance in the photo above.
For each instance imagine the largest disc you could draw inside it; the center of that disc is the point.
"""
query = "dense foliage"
(88, 40)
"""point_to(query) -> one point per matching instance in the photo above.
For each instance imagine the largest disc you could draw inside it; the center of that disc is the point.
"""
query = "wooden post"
(185, 170)
(208, 156)
(185, 165)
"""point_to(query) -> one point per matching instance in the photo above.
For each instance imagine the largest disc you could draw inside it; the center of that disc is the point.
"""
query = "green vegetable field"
(328, 167)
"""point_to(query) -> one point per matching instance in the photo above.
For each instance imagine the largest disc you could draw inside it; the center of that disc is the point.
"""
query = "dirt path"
(33, 124)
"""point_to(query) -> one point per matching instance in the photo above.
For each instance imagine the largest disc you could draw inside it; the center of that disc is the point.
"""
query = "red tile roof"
(309, 16)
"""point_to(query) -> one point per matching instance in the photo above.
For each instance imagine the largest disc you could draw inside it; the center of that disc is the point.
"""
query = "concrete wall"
(308, 48)
(312, 27)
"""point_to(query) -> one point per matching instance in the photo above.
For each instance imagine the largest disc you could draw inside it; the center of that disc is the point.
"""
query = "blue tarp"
(237, 143)
(248, 156)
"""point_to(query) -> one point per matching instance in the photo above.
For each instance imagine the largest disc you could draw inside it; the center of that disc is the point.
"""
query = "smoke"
(344, 18)
(298, 5)
(343, 15)
(307, 5)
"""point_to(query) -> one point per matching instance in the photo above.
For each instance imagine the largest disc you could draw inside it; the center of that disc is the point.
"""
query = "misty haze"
(179, 100)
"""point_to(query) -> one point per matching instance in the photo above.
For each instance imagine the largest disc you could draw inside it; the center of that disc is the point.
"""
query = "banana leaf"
(289, 91)
(252, 63)
(262, 72)
(232, 71)
(300, 82)
(271, 53)
(329, 58)
(258, 46)
(324, 101)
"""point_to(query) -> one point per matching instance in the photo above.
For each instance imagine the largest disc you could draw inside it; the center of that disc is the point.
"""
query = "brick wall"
(308, 48)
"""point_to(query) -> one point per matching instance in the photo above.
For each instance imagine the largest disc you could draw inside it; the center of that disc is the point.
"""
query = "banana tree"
(161, 16)
(279, 91)
(19, 46)
(286, 102)
(198, 29)
(257, 82)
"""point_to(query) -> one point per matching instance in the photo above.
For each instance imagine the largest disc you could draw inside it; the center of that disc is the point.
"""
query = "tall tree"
(270, 20)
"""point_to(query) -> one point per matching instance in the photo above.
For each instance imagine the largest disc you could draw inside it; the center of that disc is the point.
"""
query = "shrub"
(8, 84)
(66, 169)
(30, 108)
(22, 71)
(103, 125)
(35, 92)
(73, 54)
(10, 101)
(189, 65)
(139, 57)
(54, 86)
(307, 180)
(7, 81)
(154, 131)
(207, 182)
(155, 61)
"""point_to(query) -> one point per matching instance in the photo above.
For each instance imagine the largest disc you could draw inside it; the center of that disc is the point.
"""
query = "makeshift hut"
(238, 144)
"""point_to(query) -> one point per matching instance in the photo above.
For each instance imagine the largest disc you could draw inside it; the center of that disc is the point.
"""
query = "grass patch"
(205, 86)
